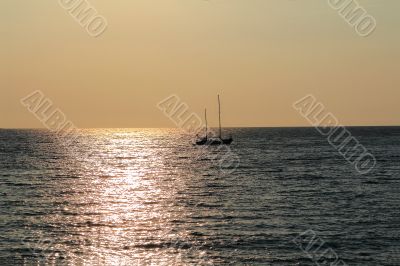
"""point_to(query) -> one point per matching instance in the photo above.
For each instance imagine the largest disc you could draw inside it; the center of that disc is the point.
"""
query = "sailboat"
(215, 141)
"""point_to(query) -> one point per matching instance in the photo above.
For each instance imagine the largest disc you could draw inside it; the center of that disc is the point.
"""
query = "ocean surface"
(149, 197)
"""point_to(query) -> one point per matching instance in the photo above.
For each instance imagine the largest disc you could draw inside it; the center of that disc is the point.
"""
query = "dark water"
(148, 197)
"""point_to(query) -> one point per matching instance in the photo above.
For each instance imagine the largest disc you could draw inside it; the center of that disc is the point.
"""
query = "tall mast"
(205, 116)
(219, 115)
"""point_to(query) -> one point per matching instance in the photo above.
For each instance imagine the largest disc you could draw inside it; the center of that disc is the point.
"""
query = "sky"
(261, 56)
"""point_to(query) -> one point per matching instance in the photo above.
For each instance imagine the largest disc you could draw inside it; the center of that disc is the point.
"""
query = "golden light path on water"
(122, 210)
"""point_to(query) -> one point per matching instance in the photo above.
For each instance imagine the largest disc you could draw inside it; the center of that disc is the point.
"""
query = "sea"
(276, 196)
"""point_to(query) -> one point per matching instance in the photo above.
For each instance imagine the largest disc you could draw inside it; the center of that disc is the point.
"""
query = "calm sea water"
(148, 197)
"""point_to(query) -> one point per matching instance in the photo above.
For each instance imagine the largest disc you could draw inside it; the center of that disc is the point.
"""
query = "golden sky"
(260, 55)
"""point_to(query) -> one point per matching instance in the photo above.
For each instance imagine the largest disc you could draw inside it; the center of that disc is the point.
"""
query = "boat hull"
(214, 142)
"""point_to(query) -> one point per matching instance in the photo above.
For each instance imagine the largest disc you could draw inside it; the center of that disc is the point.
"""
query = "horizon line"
(44, 128)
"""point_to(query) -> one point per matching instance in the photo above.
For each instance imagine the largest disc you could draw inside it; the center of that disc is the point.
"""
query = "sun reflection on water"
(122, 210)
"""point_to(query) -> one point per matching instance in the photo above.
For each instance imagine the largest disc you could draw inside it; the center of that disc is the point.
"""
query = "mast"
(219, 115)
(205, 116)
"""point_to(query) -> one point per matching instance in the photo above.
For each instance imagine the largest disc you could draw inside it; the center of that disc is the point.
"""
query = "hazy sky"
(260, 55)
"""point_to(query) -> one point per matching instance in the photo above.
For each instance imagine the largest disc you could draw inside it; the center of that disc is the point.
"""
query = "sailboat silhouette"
(214, 141)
